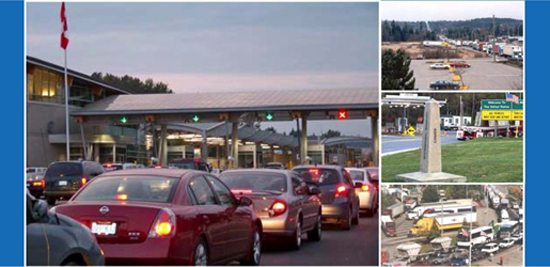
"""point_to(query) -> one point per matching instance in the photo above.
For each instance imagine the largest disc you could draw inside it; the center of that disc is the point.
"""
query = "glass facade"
(44, 85)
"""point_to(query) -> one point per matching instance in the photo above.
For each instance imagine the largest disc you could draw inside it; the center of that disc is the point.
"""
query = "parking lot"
(482, 75)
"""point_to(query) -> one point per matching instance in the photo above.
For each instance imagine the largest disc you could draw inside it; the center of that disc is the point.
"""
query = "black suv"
(340, 203)
(64, 178)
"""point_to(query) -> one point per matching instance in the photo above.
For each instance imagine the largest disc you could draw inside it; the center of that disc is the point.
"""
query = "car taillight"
(43, 183)
(341, 191)
(277, 208)
(365, 188)
(83, 180)
(164, 225)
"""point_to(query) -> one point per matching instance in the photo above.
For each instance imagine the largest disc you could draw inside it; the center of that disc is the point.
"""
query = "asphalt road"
(397, 143)
(358, 247)
(482, 75)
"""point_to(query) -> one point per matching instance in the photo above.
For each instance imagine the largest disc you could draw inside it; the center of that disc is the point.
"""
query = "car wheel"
(315, 234)
(255, 250)
(346, 223)
(355, 219)
(200, 254)
(296, 239)
(370, 212)
(51, 201)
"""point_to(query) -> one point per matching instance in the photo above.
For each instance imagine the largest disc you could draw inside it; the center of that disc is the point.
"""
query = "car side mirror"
(39, 210)
(358, 185)
(245, 201)
(313, 190)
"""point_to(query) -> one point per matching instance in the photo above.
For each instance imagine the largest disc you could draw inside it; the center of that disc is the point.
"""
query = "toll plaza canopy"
(207, 106)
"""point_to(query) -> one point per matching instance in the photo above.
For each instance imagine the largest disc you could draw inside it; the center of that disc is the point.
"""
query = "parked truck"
(510, 50)
(394, 210)
(410, 204)
(388, 225)
(442, 222)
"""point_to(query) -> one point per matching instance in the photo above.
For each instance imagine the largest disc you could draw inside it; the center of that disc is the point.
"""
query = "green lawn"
(480, 160)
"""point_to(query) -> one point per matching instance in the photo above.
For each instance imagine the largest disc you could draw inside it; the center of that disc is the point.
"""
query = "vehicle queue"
(189, 216)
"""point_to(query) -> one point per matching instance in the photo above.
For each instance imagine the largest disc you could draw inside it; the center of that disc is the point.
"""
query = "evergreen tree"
(396, 74)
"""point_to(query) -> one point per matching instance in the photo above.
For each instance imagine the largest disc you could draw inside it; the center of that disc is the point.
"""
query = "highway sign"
(500, 104)
(496, 115)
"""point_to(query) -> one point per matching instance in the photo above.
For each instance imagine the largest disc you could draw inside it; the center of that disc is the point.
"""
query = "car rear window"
(64, 169)
(319, 175)
(255, 181)
(130, 188)
(183, 165)
(357, 175)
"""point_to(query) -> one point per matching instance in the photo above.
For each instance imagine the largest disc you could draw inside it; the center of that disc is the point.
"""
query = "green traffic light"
(124, 120)
(269, 116)
(195, 118)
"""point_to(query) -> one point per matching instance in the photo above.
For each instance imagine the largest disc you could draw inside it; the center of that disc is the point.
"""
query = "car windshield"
(319, 175)
(61, 169)
(255, 181)
(130, 188)
(357, 175)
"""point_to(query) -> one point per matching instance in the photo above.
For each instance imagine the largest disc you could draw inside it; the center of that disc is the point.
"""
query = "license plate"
(62, 183)
(103, 228)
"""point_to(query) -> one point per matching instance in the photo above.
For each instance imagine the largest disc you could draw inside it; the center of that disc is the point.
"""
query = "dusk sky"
(218, 46)
(450, 10)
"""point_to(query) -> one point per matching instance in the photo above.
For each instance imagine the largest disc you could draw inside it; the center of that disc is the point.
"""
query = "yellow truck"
(443, 221)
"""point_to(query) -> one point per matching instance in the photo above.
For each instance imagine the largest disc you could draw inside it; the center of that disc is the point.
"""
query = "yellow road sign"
(517, 115)
(497, 115)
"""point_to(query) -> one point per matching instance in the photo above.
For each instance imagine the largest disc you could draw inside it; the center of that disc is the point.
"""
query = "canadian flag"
(64, 39)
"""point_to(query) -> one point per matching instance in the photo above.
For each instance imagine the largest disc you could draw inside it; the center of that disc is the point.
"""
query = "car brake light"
(122, 197)
(277, 208)
(365, 188)
(83, 180)
(164, 225)
(314, 171)
(341, 191)
(43, 183)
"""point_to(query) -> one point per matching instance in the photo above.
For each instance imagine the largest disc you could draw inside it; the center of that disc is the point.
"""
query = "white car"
(368, 193)
(439, 66)
(490, 248)
(109, 167)
(517, 238)
(506, 243)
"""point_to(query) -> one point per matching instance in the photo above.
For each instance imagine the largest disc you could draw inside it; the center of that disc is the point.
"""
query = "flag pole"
(67, 95)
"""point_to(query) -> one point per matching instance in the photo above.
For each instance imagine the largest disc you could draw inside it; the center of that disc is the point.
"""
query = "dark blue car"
(460, 261)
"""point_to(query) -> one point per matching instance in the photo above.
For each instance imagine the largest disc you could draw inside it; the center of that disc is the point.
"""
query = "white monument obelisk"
(430, 156)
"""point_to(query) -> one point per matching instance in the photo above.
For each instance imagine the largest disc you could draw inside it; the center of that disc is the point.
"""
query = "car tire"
(315, 234)
(255, 250)
(346, 222)
(295, 241)
(200, 254)
(355, 219)
(51, 201)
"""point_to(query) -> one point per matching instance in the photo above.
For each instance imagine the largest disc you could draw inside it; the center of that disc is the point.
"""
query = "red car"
(167, 217)
(460, 64)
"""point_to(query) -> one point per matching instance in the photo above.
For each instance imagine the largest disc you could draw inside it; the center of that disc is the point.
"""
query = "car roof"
(334, 167)
(259, 170)
(150, 171)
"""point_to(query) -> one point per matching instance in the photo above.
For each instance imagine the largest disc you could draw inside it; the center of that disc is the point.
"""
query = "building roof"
(250, 101)
(57, 68)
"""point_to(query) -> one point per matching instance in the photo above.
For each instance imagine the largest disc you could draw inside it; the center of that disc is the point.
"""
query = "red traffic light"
(342, 114)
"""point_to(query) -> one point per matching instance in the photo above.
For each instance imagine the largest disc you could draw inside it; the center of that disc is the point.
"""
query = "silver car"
(286, 204)
(368, 192)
